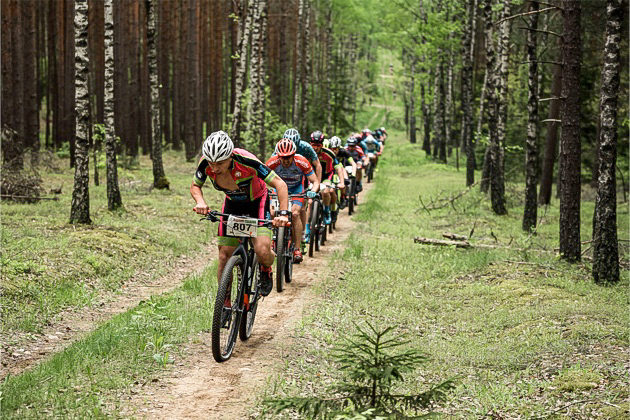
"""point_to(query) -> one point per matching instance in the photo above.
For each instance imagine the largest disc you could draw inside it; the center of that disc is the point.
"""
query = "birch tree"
(605, 249)
(467, 92)
(159, 177)
(241, 73)
(80, 210)
(114, 199)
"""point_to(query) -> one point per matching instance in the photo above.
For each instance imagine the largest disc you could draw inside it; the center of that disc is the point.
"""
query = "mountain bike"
(351, 190)
(318, 228)
(238, 292)
(283, 245)
(370, 168)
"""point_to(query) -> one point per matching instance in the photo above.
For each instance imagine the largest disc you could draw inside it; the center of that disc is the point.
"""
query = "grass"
(92, 377)
(49, 265)
(526, 333)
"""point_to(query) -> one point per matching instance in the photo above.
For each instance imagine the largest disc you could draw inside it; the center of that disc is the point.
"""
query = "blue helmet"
(293, 135)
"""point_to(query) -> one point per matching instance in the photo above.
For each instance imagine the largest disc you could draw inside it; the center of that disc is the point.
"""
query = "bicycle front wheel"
(227, 310)
(351, 195)
(280, 251)
(249, 314)
(314, 237)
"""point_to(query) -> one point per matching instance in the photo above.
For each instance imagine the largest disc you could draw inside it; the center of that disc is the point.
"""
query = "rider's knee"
(262, 248)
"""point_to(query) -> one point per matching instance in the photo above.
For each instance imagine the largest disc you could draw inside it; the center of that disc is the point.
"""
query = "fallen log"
(441, 242)
(454, 236)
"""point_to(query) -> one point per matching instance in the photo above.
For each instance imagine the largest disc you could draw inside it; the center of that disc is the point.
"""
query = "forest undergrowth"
(526, 334)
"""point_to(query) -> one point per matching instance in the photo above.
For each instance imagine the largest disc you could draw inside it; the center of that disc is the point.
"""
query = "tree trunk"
(159, 177)
(448, 113)
(192, 143)
(307, 67)
(531, 149)
(412, 102)
(570, 149)
(502, 99)
(496, 178)
(605, 251)
(241, 73)
(426, 119)
(551, 140)
(31, 106)
(441, 111)
(467, 93)
(299, 67)
(114, 200)
(80, 211)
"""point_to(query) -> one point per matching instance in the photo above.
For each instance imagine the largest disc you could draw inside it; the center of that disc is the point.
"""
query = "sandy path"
(19, 352)
(199, 388)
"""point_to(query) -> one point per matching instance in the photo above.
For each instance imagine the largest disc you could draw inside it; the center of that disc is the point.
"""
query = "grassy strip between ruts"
(527, 334)
(91, 377)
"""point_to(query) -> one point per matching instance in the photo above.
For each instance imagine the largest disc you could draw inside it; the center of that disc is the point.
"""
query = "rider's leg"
(225, 252)
(262, 248)
(296, 223)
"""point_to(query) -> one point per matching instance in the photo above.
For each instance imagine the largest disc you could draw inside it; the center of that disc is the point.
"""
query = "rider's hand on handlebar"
(279, 221)
(201, 208)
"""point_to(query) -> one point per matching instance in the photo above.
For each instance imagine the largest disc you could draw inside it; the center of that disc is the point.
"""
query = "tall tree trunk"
(299, 67)
(412, 102)
(192, 109)
(241, 73)
(114, 200)
(496, 176)
(551, 140)
(68, 88)
(605, 252)
(531, 149)
(159, 177)
(448, 112)
(328, 61)
(307, 67)
(467, 93)
(570, 149)
(16, 151)
(441, 111)
(80, 211)
(426, 119)
(31, 106)
(254, 66)
(502, 99)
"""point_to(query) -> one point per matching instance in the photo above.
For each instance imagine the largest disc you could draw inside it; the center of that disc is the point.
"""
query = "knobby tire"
(249, 315)
(222, 347)
(280, 251)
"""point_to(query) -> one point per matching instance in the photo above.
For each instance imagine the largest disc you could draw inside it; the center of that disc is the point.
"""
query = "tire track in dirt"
(21, 351)
(199, 388)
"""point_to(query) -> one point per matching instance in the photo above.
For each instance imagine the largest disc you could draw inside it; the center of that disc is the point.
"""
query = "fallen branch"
(454, 236)
(440, 242)
(466, 244)
(526, 14)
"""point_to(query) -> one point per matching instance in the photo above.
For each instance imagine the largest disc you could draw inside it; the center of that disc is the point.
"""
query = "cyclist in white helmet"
(244, 179)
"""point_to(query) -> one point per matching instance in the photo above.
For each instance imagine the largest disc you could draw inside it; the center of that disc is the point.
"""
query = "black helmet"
(317, 137)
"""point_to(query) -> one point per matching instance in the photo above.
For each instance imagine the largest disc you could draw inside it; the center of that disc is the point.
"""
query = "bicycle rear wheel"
(226, 320)
(280, 251)
(314, 235)
(288, 264)
(249, 314)
(351, 195)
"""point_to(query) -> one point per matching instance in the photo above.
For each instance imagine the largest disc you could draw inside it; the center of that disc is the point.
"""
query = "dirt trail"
(199, 388)
(20, 352)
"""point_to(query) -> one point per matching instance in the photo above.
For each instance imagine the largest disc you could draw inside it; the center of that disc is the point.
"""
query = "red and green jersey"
(250, 174)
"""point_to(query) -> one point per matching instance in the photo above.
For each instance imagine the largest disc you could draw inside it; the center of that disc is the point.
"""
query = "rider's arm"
(354, 165)
(195, 191)
(314, 180)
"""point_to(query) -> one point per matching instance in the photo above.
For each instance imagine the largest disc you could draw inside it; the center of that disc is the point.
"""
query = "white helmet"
(292, 134)
(335, 142)
(218, 146)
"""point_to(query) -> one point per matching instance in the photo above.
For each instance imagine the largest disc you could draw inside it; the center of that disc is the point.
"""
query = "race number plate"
(274, 204)
(242, 226)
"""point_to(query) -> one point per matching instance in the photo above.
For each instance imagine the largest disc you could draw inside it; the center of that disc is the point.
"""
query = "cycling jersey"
(329, 162)
(344, 157)
(370, 145)
(356, 152)
(247, 171)
(295, 173)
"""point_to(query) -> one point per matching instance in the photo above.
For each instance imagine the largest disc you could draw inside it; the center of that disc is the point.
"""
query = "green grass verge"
(48, 265)
(92, 377)
(526, 333)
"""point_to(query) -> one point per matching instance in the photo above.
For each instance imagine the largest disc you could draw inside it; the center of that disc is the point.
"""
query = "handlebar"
(214, 215)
